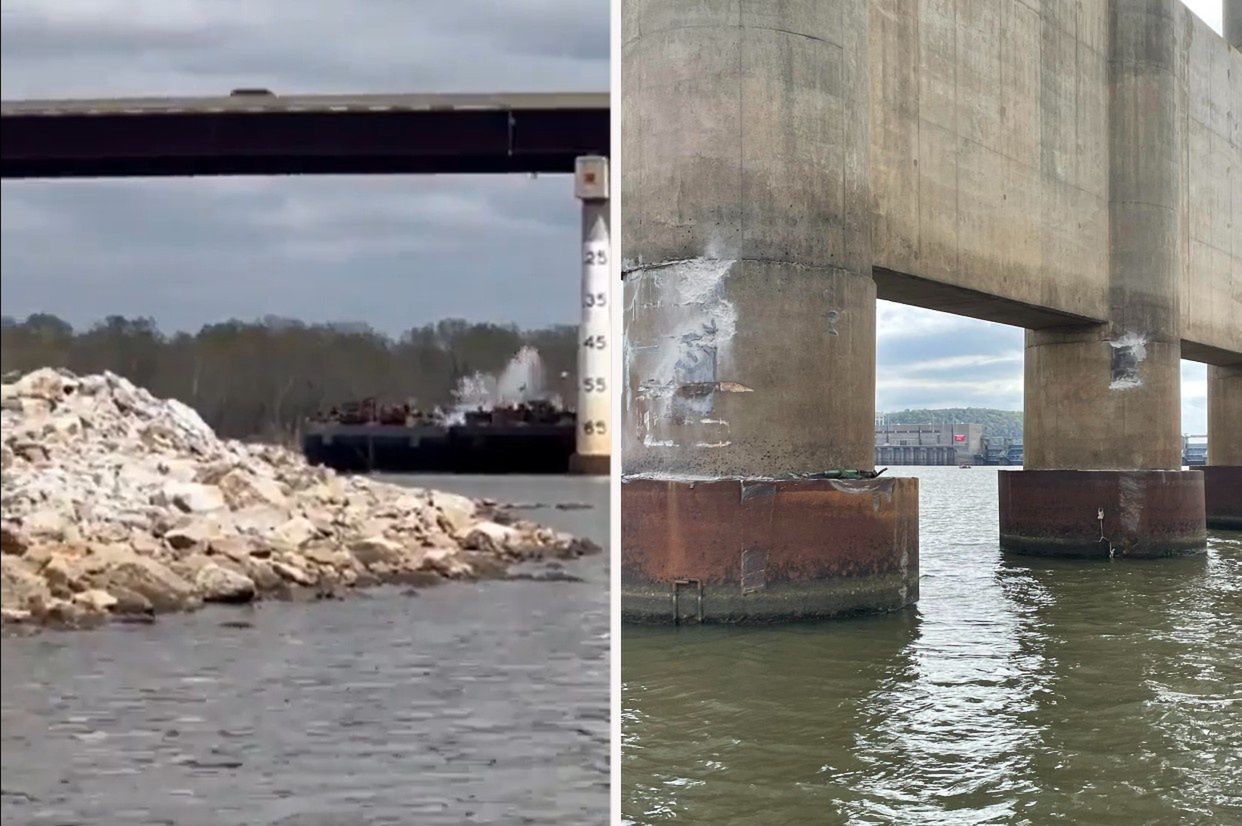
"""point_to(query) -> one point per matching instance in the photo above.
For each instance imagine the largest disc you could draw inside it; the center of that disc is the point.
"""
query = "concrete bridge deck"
(262, 133)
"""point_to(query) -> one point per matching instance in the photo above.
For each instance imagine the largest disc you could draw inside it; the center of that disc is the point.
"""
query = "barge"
(534, 437)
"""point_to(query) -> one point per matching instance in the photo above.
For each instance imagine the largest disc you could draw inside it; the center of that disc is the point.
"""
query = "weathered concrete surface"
(989, 151)
(1146, 513)
(991, 155)
(733, 550)
(1224, 399)
(749, 304)
(1108, 396)
(1222, 478)
(1080, 413)
(1211, 277)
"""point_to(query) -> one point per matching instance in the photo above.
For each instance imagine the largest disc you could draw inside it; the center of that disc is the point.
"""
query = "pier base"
(589, 465)
(1222, 496)
(1145, 513)
(753, 550)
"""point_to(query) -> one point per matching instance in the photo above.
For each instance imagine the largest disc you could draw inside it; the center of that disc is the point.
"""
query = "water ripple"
(471, 704)
(1017, 691)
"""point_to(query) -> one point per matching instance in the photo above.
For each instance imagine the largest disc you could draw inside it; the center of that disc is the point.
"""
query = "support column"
(594, 433)
(1222, 477)
(1103, 403)
(1233, 23)
(748, 406)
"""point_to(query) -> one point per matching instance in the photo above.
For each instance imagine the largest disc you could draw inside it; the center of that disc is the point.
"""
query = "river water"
(484, 702)
(1017, 691)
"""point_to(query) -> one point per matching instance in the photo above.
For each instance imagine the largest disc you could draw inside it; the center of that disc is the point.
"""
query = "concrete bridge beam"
(1222, 477)
(750, 319)
(1102, 402)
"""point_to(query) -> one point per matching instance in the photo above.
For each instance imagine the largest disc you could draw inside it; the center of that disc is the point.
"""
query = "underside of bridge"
(267, 134)
(1072, 170)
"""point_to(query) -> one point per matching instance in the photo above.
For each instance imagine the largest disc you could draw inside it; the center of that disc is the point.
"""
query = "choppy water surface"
(480, 703)
(1017, 691)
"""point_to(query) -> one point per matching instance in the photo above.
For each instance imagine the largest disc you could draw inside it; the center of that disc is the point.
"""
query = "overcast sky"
(390, 251)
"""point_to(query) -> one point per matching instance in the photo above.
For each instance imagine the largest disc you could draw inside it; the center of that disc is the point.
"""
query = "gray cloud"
(116, 47)
(391, 251)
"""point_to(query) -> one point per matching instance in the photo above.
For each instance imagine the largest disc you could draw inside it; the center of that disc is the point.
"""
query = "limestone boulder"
(192, 497)
(66, 575)
(219, 584)
(236, 548)
(242, 489)
(448, 562)
(491, 537)
(456, 513)
(377, 550)
(295, 532)
(266, 578)
(46, 384)
(293, 570)
(165, 590)
(96, 600)
(13, 540)
(329, 556)
(130, 603)
(21, 587)
(47, 524)
(259, 520)
(193, 534)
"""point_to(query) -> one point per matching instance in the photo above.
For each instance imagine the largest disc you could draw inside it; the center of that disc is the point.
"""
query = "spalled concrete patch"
(1129, 351)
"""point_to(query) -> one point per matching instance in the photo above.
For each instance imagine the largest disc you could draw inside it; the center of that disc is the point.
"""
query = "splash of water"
(521, 381)
(522, 378)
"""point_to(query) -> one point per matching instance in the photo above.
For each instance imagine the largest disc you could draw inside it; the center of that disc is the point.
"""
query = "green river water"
(1018, 690)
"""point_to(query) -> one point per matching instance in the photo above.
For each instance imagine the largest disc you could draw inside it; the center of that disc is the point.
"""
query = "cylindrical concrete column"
(595, 386)
(1222, 477)
(1233, 23)
(749, 302)
(749, 308)
(1107, 398)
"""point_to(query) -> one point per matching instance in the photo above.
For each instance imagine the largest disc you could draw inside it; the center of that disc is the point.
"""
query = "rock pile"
(116, 503)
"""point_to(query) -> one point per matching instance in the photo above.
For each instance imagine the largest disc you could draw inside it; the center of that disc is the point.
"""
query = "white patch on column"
(1129, 351)
(677, 373)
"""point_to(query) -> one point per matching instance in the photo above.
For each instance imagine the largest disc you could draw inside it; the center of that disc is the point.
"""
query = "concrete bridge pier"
(1222, 477)
(1102, 470)
(748, 405)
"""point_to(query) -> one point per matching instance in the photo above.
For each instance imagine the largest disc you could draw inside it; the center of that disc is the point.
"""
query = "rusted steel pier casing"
(1146, 513)
(1222, 496)
(739, 550)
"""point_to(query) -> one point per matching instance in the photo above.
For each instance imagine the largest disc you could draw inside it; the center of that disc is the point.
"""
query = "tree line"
(1005, 424)
(263, 379)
